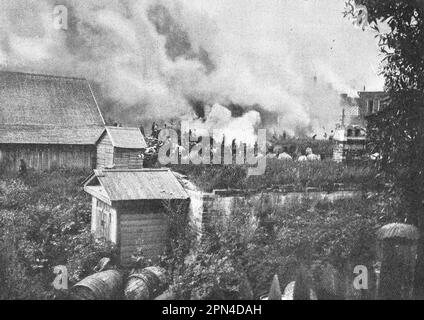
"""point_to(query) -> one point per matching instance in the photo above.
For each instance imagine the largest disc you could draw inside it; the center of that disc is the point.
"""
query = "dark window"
(370, 106)
(349, 132)
(357, 132)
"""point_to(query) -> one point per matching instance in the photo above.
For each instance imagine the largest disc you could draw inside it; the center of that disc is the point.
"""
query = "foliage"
(237, 258)
(299, 174)
(397, 133)
(44, 222)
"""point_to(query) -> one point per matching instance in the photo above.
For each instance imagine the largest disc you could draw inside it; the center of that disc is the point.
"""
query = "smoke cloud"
(150, 59)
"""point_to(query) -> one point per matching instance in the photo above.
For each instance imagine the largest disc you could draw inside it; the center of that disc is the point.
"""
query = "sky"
(151, 58)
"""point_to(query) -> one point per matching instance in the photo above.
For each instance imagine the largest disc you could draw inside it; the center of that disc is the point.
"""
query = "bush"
(238, 260)
(45, 222)
(300, 174)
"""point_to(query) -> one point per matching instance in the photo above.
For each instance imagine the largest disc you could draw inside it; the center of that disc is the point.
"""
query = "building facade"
(371, 102)
(47, 122)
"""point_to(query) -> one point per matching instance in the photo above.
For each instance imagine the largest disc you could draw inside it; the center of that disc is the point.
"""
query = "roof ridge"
(134, 170)
(43, 75)
(52, 125)
(123, 128)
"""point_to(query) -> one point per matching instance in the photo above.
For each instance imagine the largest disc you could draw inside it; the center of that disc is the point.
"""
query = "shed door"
(104, 220)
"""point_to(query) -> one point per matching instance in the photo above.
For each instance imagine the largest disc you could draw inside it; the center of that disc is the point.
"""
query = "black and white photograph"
(234, 151)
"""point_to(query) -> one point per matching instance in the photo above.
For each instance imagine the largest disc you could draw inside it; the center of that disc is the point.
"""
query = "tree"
(397, 133)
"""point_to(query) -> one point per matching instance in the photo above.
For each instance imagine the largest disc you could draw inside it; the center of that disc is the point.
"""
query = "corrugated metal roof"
(143, 184)
(46, 109)
(128, 138)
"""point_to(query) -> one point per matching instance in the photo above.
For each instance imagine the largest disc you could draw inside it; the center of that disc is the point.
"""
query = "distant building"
(371, 102)
(350, 136)
(121, 147)
(356, 110)
(47, 121)
(350, 143)
(129, 208)
(350, 110)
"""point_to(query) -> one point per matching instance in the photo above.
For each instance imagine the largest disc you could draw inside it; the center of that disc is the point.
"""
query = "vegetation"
(44, 222)
(397, 133)
(237, 259)
(323, 174)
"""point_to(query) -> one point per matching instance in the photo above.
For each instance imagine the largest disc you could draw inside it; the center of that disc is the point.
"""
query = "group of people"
(284, 155)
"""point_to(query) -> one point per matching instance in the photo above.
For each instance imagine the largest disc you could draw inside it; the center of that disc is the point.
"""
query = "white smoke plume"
(220, 121)
(150, 58)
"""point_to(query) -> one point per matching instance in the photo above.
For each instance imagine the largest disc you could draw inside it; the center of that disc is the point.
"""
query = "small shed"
(121, 147)
(129, 208)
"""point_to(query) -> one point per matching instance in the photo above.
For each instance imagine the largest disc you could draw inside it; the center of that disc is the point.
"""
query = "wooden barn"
(129, 208)
(47, 121)
(121, 147)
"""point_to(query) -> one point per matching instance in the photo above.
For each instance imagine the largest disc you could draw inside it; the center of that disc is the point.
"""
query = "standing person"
(155, 130)
(22, 168)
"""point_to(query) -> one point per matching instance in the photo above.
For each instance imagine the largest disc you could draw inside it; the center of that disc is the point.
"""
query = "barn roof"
(128, 138)
(43, 109)
(142, 184)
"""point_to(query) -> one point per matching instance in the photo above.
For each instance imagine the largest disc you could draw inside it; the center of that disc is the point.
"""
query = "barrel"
(104, 285)
(146, 284)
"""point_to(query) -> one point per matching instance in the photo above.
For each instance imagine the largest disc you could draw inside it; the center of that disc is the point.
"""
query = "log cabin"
(121, 147)
(47, 122)
(130, 208)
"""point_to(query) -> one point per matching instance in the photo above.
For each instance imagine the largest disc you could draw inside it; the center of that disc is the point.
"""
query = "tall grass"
(44, 222)
(322, 174)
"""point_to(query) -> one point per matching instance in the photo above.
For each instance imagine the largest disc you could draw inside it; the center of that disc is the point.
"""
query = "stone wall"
(209, 208)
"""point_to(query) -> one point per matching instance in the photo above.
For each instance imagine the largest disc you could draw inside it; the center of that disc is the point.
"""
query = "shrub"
(45, 222)
(300, 174)
(242, 255)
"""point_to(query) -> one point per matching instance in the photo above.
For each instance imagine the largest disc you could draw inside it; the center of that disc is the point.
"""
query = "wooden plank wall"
(104, 152)
(143, 226)
(46, 157)
(104, 222)
(128, 158)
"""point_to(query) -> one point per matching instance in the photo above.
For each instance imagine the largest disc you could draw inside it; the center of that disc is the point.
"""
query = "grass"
(322, 174)
(44, 222)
